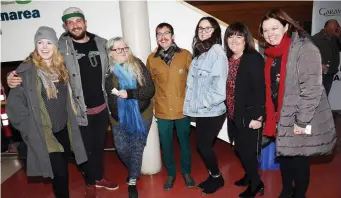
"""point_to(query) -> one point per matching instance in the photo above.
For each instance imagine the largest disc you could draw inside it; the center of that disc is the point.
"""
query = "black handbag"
(266, 140)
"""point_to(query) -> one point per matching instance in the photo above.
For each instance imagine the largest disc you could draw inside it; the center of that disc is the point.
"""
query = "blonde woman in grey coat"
(296, 102)
(42, 109)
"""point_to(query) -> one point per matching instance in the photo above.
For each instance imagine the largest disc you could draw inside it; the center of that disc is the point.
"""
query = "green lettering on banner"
(23, 1)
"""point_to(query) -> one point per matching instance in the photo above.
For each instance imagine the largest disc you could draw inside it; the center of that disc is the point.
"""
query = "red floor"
(325, 179)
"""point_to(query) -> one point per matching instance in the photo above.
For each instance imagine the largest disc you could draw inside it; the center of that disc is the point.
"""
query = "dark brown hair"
(162, 25)
(214, 39)
(284, 19)
(239, 29)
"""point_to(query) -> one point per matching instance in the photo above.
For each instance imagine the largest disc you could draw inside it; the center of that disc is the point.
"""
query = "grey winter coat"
(305, 103)
(68, 51)
(25, 109)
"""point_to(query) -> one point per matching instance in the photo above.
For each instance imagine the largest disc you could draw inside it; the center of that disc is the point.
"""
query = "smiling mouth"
(77, 30)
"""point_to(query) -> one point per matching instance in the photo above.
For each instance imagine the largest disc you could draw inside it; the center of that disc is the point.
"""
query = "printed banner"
(322, 12)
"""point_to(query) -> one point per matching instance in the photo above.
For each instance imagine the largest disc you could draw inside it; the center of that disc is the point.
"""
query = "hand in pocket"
(255, 124)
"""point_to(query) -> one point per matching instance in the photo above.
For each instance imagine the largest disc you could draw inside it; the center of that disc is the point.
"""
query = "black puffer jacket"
(142, 94)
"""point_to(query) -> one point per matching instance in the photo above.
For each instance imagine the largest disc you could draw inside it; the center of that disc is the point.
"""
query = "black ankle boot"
(213, 184)
(202, 185)
(132, 191)
(251, 193)
(243, 181)
(289, 194)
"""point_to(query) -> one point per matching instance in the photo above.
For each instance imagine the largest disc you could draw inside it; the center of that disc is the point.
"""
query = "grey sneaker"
(189, 180)
(169, 183)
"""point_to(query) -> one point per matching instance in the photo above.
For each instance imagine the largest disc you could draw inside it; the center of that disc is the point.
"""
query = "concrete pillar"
(135, 28)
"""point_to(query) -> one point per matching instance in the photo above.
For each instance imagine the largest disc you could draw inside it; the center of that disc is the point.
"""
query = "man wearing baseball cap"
(86, 58)
(87, 62)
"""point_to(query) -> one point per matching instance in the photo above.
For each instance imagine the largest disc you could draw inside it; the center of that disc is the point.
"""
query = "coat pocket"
(247, 116)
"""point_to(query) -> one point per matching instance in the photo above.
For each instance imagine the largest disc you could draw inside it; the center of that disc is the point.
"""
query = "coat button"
(77, 97)
(73, 75)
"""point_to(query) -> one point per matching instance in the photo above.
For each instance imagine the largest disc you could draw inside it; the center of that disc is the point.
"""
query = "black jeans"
(248, 148)
(295, 169)
(59, 163)
(93, 137)
(207, 129)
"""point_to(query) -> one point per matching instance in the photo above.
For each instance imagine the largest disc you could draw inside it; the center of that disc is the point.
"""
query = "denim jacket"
(206, 84)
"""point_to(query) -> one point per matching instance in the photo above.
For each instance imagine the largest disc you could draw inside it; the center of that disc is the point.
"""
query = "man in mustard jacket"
(168, 67)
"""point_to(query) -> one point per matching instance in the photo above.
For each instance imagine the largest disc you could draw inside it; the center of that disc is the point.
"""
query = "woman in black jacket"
(245, 102)
(129, 88)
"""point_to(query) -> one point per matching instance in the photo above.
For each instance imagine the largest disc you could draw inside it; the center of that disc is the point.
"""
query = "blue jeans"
(130, 148)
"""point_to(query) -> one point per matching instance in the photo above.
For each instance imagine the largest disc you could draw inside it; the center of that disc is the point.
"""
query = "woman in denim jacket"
(206, 94)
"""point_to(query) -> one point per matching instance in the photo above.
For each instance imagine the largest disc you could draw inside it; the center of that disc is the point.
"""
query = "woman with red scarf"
(297, 107)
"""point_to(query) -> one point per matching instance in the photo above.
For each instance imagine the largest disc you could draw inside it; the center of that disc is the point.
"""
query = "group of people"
(63, 92)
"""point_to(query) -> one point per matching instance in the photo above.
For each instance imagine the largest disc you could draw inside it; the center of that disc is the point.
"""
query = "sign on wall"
(322, 12)
(20, 20)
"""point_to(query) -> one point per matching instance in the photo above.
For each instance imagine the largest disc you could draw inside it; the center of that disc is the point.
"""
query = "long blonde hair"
(132, 63)
(57, 64)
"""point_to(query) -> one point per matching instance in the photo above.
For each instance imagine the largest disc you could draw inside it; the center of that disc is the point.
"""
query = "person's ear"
(286, 27)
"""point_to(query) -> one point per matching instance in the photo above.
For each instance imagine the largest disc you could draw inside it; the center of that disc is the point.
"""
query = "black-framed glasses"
(120, 50)
(160, 34)
(206, 29)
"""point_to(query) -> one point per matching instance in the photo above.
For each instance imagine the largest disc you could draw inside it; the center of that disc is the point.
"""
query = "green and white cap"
(72, 12)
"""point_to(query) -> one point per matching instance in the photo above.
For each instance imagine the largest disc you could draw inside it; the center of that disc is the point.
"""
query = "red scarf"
(273, 52)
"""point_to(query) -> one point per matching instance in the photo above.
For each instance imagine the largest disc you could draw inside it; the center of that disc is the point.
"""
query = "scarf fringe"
(51, 93)
(130, 119)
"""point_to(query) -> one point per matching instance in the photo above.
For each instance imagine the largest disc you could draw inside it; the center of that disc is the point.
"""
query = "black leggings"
(295, 169)
(59, 163)
(207, 129)
(248, 148)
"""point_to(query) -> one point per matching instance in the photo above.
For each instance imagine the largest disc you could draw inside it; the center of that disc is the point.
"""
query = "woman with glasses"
(206, 94)
(129, 88)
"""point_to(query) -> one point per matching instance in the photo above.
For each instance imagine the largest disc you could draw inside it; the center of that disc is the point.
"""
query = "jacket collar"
(25, 66)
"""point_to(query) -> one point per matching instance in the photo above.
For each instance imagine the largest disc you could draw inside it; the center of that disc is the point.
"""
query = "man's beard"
(78, 37)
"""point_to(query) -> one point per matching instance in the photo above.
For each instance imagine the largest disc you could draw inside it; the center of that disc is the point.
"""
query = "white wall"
(182, 18)
(103, 18)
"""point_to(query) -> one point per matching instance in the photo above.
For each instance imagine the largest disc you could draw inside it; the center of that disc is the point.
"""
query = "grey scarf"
(48, 80)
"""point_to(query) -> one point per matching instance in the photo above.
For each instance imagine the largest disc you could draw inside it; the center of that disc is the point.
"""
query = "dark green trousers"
(165, 128)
